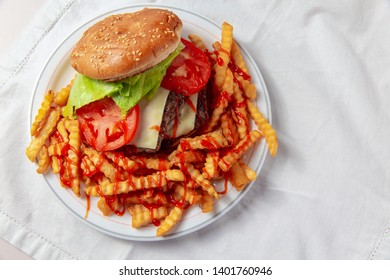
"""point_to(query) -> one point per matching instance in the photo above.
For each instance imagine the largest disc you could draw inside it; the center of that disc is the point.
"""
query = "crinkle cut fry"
(170, 221)
(210, 169)
(240, 112)
(43, 112)
(106, 208)
(248, 87)
(265, 127)
(207, 203)
(197, 41)
(43, 160)
(229, 128)
(62, 130)
(102, 164)
(205, 184)
(181, 192)
(133, 164)
(55, 161)
(61, 97)
(222, 103)
(155, 180)
(122, 161)
(237, 57)
(39, 140)
(232, 156)
(74, 153)
(153, 163)
(57, 149)
(224, 54)
(142, 216)
(211, 141)
(157, 198)
(190, 156)
(240, 175)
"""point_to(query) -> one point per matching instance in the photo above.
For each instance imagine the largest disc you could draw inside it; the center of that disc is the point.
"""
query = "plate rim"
(215, 216)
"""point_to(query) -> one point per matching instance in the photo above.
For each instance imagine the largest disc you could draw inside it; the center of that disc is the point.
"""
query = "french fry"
(247, 86)
(89, 169)
(170, 221)
(62, 131)
(39, 140)
(72, 126)
(43, 160)
(156, 198)
(210, 169)
(229, 128)
(237, 58)
(232, 156)
(240, 175)
(223, 101)
(133, 183)
(133, 164)
(153, 163)
(183, 193)
(265, 127)
(197, 41)
(202, 181)
(207, 203)
(55, 160)
(122, 161)
(217, 46)
(107, 208)
(43, 112)
(190, 156)
(55, 164)
(142, 216)
(211, 141)
(103, 207)
(58, 149)
(240, 112)
(61, 97)
(102, 164)
(224, 55)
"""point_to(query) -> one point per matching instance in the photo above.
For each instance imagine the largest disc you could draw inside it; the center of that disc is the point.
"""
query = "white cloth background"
(325, 196)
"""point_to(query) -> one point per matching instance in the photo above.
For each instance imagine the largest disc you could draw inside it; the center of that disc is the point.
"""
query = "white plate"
(57, 73)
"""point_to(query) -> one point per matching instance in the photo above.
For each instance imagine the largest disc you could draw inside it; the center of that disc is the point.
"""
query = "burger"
(138, 83)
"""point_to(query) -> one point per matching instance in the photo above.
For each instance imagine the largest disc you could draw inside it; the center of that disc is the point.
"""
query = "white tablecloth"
(325, 196)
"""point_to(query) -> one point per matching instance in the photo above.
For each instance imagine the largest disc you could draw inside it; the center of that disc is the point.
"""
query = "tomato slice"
(189, 72)
(103, 126)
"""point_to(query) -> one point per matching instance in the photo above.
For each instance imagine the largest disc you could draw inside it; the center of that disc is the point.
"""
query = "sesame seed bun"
(124, 45)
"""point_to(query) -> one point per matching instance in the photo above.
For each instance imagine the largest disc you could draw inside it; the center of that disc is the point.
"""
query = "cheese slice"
(187, 116)
(151, 114)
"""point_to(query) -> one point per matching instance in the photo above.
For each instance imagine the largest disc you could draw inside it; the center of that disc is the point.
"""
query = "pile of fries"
(157, 188)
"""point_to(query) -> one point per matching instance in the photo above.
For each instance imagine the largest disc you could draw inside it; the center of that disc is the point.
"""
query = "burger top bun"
(124, 45)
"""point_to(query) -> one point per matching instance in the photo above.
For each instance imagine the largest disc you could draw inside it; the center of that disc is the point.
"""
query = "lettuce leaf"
(126, 93)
